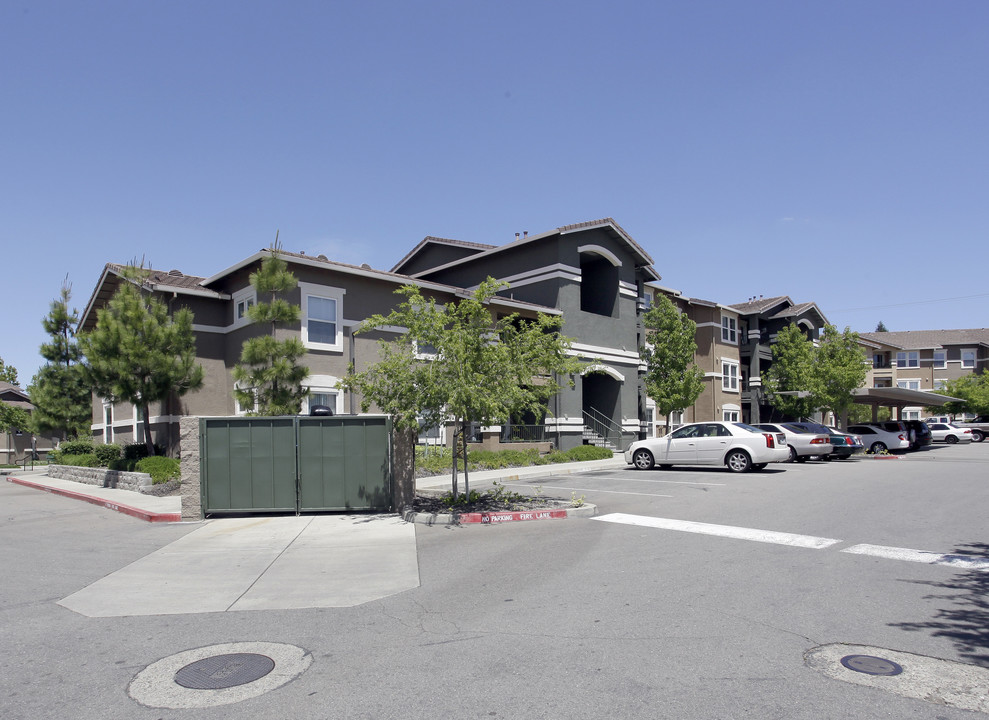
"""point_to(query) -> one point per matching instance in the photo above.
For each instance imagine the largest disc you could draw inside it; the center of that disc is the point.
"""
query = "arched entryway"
(601, 403)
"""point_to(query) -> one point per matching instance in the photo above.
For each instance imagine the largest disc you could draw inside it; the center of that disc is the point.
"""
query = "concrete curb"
(115, 506)
(500, 517)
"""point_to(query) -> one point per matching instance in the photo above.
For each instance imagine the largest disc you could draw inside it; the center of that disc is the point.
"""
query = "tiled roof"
(171, 278)
(760, 304)
(430, 240)
(916, 339)
(608, 221)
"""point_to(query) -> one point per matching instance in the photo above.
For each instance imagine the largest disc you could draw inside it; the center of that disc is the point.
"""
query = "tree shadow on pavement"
(966, 621)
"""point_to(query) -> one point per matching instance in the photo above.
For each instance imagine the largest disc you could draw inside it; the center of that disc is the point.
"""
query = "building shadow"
(964, 614)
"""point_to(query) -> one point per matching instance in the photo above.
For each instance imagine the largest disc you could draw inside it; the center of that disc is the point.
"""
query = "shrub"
(106, 453)
(582, 453)
(123, 465)
(137, 451)
(76, 447)
(161, 469)
(80, 460)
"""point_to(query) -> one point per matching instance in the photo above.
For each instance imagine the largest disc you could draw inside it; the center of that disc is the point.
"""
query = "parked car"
(979, 427)
(845, 445)
(948, 433)
(917, 432)
(878, 439)
(803, 443)
(738, 446)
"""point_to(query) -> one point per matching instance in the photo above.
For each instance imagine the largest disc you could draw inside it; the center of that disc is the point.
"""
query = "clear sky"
(832, 151)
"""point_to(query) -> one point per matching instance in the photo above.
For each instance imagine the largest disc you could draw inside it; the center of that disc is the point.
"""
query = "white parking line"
(739, 533)
(962, 562)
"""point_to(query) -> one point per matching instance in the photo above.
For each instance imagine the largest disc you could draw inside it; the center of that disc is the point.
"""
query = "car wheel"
(738, 461)
(642, 459)
(877, 447)
(759, 466)
(950, 439)
(978, 436)
(793, 455)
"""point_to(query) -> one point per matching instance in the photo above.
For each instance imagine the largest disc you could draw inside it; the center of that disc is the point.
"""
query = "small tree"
(672, 378)
(59, 392)
(13, 418)
(8, 373)
(839, 368)
(138, 353)
(790, 379)
(457, 361)
(881, 327)
(973, 390)
(269, 375)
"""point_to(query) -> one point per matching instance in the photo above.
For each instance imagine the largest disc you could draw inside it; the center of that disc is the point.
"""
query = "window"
(940, 358)
(243, 301)
(138, 421)
(729, 375)
(323, 391)
(910, 414)
(940, 384)
(729, 329)
(909, 359)
(909, 384)
(968, 358)
(107, 422)
(322, 328)
(879, 360)
(729, 415)
(676, 419)
(243, 408)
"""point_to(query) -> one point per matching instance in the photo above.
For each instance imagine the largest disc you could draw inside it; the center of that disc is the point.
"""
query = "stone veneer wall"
(192, 506)
(101, 477)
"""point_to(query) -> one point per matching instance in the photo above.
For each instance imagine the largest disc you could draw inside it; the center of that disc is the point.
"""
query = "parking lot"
(697, 593)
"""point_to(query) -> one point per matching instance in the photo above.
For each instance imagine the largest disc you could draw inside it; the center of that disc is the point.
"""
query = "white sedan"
(948, 433)
(737, 446)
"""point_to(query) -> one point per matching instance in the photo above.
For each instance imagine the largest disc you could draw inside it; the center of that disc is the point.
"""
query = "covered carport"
(899, 398)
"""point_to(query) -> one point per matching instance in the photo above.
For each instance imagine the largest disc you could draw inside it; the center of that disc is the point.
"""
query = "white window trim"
(944, 360)
(323, 384)
(731, 329)
(247, 295)
(975, 358)
(729, 382)
(908, 363)
(329, 293)
(728, 415)
(238, 410)
(909, 380)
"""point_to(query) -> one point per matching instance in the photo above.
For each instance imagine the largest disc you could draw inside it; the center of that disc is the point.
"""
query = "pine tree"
(672, 378)
(138, 353)
(59, 392)
(269, 376)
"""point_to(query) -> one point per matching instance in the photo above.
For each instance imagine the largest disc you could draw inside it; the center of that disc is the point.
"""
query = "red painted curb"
(117, 507)
(885, 457)
(493, 518)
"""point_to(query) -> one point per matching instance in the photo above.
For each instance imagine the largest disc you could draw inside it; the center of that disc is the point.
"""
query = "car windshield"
(745, 426)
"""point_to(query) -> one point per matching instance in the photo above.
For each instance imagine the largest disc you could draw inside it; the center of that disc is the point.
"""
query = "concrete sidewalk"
(483, 478)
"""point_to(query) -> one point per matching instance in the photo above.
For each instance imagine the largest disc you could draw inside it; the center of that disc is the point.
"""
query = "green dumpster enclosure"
(295, 464)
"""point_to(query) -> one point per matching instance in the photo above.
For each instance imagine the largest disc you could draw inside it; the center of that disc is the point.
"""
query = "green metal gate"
(298, 464)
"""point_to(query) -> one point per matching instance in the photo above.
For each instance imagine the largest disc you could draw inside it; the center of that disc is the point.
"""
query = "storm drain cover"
(871, 665)
(224, 671)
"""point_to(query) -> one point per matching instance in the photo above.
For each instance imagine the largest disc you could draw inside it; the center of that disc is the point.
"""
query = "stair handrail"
(604, 426)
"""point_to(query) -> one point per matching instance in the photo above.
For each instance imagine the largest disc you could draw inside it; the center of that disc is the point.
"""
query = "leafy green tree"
(672, 378)
(790, 379)
(973, 390)
(138, 353)
(858, 414)
(457, 361)
(59, 392)
(839, 368)
(8, 373)
(269, 375)
(13, 418)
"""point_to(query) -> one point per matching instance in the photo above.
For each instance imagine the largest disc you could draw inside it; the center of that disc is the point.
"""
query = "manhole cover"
(224, 671)
(871, 665)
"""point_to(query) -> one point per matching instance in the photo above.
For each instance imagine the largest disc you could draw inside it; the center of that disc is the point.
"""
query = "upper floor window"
(940, 359)
(322, 314)
(913, 384)
(879, 360)
(242, 302)
(729, 375)
(909, 359)
(968, 358)
(940, 384)
(729, 329)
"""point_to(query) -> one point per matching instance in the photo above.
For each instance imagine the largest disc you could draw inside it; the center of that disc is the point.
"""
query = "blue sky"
(835, 152)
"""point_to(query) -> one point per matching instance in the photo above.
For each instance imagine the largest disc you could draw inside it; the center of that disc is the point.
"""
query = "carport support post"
(189, 463)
